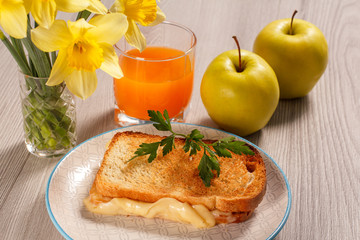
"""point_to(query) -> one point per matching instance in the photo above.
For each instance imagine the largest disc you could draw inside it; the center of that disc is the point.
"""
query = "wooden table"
(315, 139)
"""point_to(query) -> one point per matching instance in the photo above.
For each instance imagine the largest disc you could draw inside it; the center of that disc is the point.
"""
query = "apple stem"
(238, 46)
(291, 23)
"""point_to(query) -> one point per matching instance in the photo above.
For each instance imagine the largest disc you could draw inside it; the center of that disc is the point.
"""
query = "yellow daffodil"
(44, 11)
(95, 6)
(143, 12)
(13, 17)
(83, 48)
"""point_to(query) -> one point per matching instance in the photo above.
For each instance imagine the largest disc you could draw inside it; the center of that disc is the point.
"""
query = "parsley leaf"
(209, 164)
(221, 151)
(192, 142)
(237, 147)
(147, 148)
(191, 146)
(160, 123)
(206, 165)
(168, 144)
(195, 135)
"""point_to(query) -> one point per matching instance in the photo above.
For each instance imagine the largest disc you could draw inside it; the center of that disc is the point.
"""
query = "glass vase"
(49, 117)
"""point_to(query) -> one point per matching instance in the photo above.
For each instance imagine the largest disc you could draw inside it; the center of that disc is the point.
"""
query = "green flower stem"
(47, 124)
(83, 14)
(53, 57)
(40, 59)
(19, 48)
(20, 61)
(32, 67)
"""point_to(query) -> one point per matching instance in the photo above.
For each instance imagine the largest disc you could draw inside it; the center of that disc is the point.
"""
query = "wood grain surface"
(315, 139)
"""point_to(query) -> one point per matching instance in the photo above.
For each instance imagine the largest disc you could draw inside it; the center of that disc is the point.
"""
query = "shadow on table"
(15, 151)
(289, 110)
(95, 125)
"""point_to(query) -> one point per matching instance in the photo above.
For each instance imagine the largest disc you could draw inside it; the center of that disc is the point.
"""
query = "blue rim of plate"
(66, 236)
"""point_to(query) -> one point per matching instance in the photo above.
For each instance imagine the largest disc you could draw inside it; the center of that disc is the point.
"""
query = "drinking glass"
(158, 78)
(49, 115)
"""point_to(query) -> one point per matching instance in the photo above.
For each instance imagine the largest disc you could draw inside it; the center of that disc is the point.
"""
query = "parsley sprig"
(193, 143)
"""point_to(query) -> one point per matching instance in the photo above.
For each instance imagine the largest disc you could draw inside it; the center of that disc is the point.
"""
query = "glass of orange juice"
(158, 78)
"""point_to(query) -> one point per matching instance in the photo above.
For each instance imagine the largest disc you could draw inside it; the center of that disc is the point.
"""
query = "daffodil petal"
(44, 12)
(110, 28)
(111, 61)
(79, 27)
(27, 5)
(13, 19)
(82, 83)
(141, 11)
(85, 55)
(97, 7)
(52, 39)
(60, 71)
(71, 6)
(117, 7)
(134, 36)
(160, 17)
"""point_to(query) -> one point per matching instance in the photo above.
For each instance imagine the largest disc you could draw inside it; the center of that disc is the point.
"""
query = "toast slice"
(240, 186)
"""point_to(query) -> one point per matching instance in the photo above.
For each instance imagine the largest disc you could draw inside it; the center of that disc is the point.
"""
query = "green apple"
(298, 53)
(239, 94)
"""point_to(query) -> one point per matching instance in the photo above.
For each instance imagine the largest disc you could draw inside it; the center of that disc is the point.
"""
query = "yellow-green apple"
(240, 91)
(298, 53)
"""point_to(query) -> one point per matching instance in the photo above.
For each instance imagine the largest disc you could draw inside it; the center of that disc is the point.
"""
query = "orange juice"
(158, 78)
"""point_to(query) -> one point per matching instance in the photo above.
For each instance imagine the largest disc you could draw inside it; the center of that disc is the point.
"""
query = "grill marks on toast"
(240, 186)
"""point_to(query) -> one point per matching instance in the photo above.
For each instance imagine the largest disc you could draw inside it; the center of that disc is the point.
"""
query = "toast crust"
(239, 188)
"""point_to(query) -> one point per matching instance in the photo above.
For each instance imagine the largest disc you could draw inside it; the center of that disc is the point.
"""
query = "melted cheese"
(167, 208)
(227, 217)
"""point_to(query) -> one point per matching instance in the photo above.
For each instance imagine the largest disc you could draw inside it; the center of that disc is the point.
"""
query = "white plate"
(71, 179)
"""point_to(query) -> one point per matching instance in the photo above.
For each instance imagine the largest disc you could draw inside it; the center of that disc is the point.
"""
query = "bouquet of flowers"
(66, 54)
